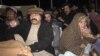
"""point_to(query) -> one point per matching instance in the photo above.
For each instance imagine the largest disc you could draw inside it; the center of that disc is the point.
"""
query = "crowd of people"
(68, 31)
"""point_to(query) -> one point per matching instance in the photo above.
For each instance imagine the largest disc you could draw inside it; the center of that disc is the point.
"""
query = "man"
(8, 28)
(38, 34)
(66, 16)
(11, 17)
(12, 22)
(56, 29)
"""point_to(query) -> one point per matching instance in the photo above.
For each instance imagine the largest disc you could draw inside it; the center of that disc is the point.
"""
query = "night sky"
(44, 3)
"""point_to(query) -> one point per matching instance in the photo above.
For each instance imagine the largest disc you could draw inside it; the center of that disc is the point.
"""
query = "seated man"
(37, 34)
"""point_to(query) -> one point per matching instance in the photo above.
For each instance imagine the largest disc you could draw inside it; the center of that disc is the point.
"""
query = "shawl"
(71, 37)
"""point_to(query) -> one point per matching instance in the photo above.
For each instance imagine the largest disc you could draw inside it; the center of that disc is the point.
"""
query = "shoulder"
(45, 25)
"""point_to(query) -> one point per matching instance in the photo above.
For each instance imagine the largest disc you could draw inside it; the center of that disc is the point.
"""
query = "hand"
(28, 47)
(13, 23)
(85, 54)
(82, 46)
(87, 33)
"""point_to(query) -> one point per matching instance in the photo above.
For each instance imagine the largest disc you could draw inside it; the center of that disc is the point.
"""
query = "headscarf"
(71, 36)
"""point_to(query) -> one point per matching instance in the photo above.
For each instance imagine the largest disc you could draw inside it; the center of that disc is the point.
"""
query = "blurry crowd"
(68, 31)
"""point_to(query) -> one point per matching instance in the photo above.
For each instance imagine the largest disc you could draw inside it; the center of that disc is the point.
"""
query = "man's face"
(66, 9)
(10, 14)
(47, 17)
(35, 18)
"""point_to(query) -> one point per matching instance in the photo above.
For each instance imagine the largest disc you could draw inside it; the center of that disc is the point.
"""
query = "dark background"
(45, 4)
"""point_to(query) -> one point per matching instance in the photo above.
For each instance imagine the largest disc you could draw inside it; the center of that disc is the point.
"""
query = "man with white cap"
(12, 22)
(11, 17)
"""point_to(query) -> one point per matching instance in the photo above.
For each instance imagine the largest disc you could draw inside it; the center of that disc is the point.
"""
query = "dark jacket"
(2, 30)
(67, 18)
(11, 31)
(45, 36)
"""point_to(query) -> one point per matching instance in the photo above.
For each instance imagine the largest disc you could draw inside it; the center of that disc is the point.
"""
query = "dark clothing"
(11, 31)
(94, 28)
(2, 30)
(15, 30)
(67, 18)
(45, 36)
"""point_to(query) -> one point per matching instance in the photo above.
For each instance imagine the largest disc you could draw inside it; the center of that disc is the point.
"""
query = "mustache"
(34, 19)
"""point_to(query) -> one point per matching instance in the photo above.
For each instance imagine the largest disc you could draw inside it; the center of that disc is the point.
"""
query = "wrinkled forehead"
(34, 14)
